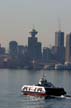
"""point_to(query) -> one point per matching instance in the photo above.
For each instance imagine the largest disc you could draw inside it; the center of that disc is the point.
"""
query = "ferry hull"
(42, 91)
(55, 91)
(49, 92)
(35, 94)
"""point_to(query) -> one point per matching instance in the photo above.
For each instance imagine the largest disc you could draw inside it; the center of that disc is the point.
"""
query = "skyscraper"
(59, 46)
(47, 56)
(2, 50)
(13, 48)
(34, 47)
(68, 48)
(59, 39)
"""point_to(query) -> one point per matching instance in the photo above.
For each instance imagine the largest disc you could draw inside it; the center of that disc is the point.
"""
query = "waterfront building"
(47, 56)
(13, 53)
(22, 56)
(68, 48)
(20, 50)
(13, 48)
(2, 50)
(58, 54)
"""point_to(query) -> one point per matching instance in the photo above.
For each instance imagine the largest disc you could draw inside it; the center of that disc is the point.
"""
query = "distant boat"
(42, 89)
(59, 67)
(66, 66)
(49, 67)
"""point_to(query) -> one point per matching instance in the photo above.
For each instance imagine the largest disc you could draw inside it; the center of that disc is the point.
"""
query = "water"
(11, 82)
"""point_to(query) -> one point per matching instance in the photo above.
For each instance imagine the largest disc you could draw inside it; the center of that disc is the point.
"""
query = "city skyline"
(17, 18)
(59, 32)
(19, 56)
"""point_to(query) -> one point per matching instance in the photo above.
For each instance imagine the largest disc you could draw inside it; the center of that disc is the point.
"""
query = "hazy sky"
(17, 18)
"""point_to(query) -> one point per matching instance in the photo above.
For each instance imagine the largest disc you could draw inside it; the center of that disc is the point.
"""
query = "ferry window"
(29, 88)
(35, 89)
(25, 88)
(39, 89)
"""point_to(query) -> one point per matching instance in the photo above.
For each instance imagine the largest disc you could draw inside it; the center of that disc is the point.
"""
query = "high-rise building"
(68, 48)
(46, 55)
(34, 47)
(2, 50)
(59, 39)
(20, 50)
(22, 56)
(13, 46)
(59, 47)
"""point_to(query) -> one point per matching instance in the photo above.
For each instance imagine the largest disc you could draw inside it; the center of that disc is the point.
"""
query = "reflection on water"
(11, 82)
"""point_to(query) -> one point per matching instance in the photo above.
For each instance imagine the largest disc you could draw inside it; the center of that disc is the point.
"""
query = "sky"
(17, 18)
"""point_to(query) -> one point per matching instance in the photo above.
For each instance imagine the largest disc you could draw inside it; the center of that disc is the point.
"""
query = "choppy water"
(12, 80)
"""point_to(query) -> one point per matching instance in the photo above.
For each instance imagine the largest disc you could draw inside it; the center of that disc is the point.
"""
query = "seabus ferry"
(42, 89)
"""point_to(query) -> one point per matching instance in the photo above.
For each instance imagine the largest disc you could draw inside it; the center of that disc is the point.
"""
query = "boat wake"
(68, 96)
(60, 97)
